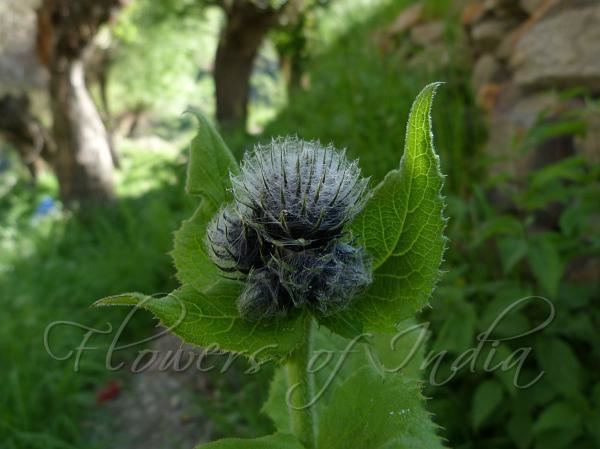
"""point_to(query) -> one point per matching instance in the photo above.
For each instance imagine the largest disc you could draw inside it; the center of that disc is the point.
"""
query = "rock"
(431, 57)
(493, 5)
(508, 124)
(529, 6)
(507, 46)
(487, 69)
(487, 35)
(503, 8)
(488, 95)
(472, 13)
(589, 144)
(406, 20)
(560, 51)
(428, 33)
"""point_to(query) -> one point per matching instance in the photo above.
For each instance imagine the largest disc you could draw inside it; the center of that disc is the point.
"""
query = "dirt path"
(153, 409)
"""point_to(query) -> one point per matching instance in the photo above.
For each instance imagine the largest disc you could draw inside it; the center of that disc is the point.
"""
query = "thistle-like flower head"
(300, 193)
(284, 233)
(232, 245)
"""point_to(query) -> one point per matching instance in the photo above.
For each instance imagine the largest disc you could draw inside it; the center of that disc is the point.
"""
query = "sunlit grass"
(52, 267)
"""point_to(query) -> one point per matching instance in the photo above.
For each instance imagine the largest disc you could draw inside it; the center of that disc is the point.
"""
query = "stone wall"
(534, 58)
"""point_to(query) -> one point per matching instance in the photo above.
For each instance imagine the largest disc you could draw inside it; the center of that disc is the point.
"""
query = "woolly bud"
(263, 296)
(324, 280)
(300, 193)
(284, 233)
(232, 246)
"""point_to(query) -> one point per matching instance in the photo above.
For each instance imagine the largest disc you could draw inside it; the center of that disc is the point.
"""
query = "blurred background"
(93, 140)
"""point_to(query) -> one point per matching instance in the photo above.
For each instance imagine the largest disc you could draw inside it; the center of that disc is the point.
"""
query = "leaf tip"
(124, 299)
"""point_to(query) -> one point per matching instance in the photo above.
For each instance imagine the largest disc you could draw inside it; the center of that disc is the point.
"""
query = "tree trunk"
(241, 37)
(83, 161)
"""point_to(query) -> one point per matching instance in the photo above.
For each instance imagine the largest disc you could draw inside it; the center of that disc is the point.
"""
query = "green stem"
(300, 392)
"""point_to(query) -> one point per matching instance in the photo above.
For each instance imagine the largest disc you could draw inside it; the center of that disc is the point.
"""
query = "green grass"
(52, 269)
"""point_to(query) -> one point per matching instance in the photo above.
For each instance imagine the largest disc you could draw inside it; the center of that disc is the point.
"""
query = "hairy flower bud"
(232, 245)
(284, 233)
(263, 296)
(301, 193)
(323, 279)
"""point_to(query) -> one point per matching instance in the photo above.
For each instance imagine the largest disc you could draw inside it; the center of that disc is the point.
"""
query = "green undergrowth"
(51, 266)
(359, 98)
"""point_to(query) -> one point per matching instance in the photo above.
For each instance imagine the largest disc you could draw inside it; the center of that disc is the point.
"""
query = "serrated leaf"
(193, 265)
(213, 320)
(377, 413)
(209, 165)
(485, 400)
(401, 227)
(397, 356)
(277, 441)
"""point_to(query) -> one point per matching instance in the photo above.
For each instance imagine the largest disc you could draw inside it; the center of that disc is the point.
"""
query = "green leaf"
(592, 424)
(498, 225)
(559, 415)
(578, 215)
(209, 165)
(545, 263)
(213, 320)
(369, 411)
(277, 441)
(276, 407)
(398, 356)
(458, 329)
(208, 175)
(401, 227)
(504, 312)
(486, 399)
(512, 250)
(519, 426)
(560, 365)
(558, 439)
(192, 262)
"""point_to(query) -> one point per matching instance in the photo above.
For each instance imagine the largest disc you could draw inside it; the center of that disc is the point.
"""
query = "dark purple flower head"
(285, 231)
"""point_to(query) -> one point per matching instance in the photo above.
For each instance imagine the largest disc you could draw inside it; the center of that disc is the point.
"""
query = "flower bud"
(231, 244)
(300, 193)
(285, 235)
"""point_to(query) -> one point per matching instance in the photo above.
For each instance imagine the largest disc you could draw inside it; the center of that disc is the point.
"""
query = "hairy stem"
(300, 392)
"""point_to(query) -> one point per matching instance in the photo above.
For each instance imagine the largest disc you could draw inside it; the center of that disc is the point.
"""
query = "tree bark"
(82, 162)
(243, 33)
